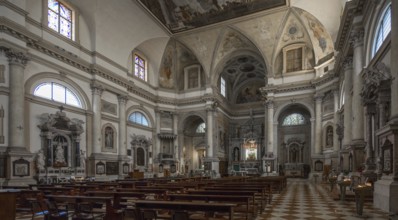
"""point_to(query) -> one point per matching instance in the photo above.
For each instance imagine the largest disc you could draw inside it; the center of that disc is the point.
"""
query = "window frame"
(291, 114)
(380, 29)
(186, 76)
(75, 20)
(66, 88)
(292, 47)
(223, 87)
(145, 67)
(142, 116)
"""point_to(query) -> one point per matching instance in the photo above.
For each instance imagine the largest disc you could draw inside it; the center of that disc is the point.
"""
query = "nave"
(302, 199)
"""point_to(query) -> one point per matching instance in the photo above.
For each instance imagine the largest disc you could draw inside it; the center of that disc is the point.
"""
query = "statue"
(40, 161)
(59, 155)
(329, 139)
(108, 137)
(82, 158)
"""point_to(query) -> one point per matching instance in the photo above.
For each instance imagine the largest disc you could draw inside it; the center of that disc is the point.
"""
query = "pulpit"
(360, 192)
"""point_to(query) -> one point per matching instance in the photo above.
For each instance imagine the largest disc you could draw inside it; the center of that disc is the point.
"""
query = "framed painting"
(100, 168)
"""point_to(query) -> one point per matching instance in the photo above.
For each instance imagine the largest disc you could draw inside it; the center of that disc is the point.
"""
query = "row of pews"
(229, 197)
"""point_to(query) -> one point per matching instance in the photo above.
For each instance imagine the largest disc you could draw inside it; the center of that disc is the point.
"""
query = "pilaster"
(318, 123)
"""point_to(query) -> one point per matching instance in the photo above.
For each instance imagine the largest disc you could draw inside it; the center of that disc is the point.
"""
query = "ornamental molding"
(373, 78)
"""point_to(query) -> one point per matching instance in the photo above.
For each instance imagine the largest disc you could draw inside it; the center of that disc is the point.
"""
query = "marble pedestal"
(385, 196)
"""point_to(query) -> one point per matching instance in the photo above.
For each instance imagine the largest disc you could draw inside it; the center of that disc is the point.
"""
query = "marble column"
(209, 130)
(122, 126)
(157, 144)
(175, 132)
(336, 120)
(347, 67)
(270, 129)
(17, 62)
(97, 92)
(357, 108)
(318, 123)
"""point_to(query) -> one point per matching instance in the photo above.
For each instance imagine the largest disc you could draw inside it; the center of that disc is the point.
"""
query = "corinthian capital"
(17, 58)
(97, 89)
(347, 63)
(356, 37)
(122, 98)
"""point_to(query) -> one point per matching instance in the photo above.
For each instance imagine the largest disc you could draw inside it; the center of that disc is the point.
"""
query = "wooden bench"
(246, 201)
(178, 206)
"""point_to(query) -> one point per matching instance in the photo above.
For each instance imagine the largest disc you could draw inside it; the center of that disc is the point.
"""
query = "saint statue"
(329, 139)
(40, 160)
(82, 158)
(108, 137)
(59, 154)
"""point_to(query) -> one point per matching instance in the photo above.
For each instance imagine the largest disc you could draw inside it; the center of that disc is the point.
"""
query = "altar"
(294, 169)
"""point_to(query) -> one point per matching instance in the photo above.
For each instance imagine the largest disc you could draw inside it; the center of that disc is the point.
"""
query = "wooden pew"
(110, 213)
(118, 197)
(178, 206)
(246, 201)
(158, 193)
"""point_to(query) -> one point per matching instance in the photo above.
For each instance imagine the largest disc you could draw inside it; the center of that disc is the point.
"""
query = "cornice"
(13, 7)
(352, 8)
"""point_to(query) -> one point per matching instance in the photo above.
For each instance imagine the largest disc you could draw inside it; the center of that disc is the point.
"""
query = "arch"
(187, 115)
(286, 105)
(42, 77)
(143, 110)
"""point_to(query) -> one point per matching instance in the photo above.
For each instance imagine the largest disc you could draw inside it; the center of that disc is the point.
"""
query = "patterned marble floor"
(304, 199)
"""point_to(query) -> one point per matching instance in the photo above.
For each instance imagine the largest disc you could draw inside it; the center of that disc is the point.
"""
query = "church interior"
(286, 100)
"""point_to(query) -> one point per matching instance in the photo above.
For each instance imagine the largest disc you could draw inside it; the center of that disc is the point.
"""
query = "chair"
(54, 213)
(37, 210)
(85, 211)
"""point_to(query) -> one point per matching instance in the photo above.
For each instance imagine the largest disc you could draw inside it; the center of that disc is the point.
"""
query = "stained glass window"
(138, 118)
(139, 67)
(60, 18)
(383, 29)
(294, 119)
(58, 93)
(222, 86)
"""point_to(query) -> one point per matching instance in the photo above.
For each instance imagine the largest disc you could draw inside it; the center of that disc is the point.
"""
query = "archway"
(294, 136)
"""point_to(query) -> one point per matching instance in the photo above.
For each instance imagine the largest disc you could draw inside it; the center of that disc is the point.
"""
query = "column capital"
(318, 97)
(97, 89)
(357, 36)
(17, 58)
(269, 104)
(122, 99)
(347, 63)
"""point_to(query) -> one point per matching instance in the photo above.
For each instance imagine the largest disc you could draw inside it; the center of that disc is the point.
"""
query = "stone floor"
(304, 199)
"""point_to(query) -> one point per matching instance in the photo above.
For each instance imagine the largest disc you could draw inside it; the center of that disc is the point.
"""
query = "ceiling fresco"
(182, 15)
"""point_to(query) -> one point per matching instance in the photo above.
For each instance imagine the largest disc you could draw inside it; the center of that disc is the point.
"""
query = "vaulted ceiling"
(182, 15)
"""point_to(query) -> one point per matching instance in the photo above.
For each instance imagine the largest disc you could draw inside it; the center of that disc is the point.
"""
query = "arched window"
(294, 119)
(138, 118)
(140, 67)
(383, 29)
(58, 93)
(60, 18)
(201, 128)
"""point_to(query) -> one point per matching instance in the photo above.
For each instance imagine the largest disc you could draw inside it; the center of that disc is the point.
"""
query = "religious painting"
(173, 168)
(60, 147)
(21, 168)
(2, 167)
(387, 158)
(318, 165)
(179, 16)
(140, 156)
(329, 136)
(250, 93)
(112, 168)
(166, 76)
